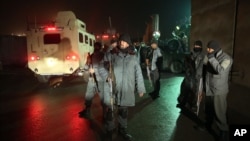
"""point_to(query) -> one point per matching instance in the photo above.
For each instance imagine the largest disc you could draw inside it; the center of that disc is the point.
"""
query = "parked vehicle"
(59, 49)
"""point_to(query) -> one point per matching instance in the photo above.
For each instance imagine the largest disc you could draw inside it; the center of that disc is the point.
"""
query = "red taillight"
(50, 28)
(34, 58)
(68, 57)
(105, 36)
(71, 57)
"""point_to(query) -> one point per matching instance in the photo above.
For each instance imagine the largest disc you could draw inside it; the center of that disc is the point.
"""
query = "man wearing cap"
(128, 78)
(216, 88)
(154, 61)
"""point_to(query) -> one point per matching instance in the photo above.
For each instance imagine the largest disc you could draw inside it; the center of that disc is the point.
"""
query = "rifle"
(149, 77)
(110, 81)
(149, 57)
(199, 96)
(92, 75)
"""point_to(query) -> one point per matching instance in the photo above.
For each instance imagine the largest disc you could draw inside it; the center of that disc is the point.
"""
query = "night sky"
(127, 15)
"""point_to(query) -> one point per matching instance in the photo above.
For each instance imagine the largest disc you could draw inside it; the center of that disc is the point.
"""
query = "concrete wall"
(241, 65)
(213, 19)
(226, 21)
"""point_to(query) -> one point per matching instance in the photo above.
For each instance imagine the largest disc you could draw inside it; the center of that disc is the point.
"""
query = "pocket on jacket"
(216, 76)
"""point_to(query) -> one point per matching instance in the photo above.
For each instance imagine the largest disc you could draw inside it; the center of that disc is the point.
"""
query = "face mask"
(125, 50)
(197, 49)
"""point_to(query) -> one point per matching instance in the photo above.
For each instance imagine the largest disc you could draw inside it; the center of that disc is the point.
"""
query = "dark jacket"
(198, 58)
(198, 62)
(95, 60)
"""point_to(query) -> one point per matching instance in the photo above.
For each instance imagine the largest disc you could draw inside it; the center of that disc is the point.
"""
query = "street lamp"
(156, 34)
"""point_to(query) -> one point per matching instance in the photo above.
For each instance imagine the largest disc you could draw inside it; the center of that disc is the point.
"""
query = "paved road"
(31, 112)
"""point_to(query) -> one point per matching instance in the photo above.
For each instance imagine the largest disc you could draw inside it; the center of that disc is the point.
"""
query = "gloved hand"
(210, 55)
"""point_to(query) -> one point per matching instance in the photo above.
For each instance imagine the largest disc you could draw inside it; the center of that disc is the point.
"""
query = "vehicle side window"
(80, 37)
(90, 42)
(86, 39)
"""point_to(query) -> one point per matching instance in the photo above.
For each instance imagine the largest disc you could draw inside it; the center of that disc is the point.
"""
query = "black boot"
(85, 113)
(224, 136)
(123, 132)
(154, 95)
(200, 128)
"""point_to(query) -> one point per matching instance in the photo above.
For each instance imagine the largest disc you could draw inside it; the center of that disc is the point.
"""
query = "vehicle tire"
(43, 78)
(176, 66)
(174, 44)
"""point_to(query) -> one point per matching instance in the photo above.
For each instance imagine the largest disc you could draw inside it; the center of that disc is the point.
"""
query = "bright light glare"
(156, 35)
(51, 62)
(32, 58)
(73, 57)
(51, 28)
(105, 36)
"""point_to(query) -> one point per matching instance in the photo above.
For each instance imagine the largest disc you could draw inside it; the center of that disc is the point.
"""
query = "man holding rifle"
(124, 66)
(95, 84)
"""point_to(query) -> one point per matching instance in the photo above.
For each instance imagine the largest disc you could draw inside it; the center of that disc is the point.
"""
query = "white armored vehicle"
(60, 48)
